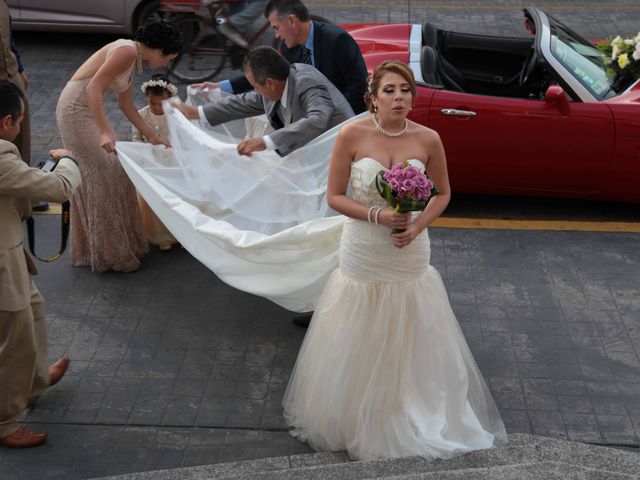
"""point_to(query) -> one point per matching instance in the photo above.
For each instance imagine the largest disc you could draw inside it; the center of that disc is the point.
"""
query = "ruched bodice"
(366, 251)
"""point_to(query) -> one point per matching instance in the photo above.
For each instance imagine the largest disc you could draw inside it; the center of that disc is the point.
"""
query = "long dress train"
(106, 225)
(384, 370)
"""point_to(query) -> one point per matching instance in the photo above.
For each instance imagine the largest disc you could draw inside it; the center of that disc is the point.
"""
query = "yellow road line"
(556, 225)
(504, 224)
(54, 209)
(470, 6)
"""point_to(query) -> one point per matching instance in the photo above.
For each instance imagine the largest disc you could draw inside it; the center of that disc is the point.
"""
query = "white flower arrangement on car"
(623, 58)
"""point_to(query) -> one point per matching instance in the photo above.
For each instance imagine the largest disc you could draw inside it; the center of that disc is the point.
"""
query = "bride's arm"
(342, 157)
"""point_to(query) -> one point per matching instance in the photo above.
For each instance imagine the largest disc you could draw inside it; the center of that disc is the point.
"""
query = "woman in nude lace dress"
(106, 225)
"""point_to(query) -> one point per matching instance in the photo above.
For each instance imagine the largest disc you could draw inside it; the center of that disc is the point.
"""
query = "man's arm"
(17, 179)
(234, 107)
(240, 84)
(14, 49)
(353, 70)
(318, 106)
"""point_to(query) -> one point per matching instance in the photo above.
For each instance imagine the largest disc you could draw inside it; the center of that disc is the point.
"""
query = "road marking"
(523, 224)
(468, 6)
(502, 224)
(54, 209)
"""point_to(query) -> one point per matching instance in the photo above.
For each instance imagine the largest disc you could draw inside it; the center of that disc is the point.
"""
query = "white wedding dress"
(384, 370)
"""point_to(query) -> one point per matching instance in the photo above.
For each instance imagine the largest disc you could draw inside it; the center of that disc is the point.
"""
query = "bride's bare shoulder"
(356, 128)
(424, 133)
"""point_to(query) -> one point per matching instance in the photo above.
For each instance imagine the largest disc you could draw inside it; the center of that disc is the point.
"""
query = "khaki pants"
(24, 369)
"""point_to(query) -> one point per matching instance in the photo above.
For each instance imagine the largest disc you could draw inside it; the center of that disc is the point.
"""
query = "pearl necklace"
(138, 58)
(387, 132)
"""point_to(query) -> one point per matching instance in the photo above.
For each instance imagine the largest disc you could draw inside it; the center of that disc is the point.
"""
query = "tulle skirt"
(384, 370)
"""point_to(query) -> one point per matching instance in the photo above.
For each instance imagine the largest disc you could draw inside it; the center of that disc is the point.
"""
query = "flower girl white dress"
(384, 370)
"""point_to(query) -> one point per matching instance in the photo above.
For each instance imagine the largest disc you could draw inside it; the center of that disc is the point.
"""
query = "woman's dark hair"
(394, 66)
(10, 100)
(158, 33)
(285, 8)
(266, 62)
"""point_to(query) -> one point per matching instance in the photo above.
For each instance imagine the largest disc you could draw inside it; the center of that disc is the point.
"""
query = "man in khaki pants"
(11, 69)
(24, 373)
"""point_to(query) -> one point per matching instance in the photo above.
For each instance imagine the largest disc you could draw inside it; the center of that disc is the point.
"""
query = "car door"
(73, 12)
(508, 145)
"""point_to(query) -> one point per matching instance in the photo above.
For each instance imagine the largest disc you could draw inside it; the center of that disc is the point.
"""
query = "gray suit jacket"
(314, 106)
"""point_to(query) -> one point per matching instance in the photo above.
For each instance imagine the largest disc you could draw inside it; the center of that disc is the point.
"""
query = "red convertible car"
(536, 115)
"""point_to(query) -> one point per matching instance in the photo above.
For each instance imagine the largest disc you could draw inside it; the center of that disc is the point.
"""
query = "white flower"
(170, 87)
(629, 41)
(615, 51)
(637, 38)
(636, 54)
(616, 40)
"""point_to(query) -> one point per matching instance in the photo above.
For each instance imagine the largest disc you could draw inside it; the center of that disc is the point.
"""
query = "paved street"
(171, 367)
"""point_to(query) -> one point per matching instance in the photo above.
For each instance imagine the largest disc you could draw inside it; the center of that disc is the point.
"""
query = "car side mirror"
(555, 94)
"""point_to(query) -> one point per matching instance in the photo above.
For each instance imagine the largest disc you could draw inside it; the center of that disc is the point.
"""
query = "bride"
(384, 370)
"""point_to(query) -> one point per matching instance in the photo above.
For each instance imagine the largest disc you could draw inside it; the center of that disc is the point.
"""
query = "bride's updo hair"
(158, 33)
(394, 66)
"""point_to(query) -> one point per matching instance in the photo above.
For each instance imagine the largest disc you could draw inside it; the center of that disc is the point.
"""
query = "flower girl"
(157, 89)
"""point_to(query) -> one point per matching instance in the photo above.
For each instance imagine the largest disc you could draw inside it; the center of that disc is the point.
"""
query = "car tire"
(144, 11)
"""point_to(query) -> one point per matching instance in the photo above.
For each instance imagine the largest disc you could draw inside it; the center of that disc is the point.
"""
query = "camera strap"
(65, 234)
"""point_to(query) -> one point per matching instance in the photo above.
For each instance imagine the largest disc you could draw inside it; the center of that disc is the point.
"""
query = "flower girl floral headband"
(170, 87)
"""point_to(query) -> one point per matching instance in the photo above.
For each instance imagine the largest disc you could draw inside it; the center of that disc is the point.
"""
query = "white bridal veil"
(260, 223)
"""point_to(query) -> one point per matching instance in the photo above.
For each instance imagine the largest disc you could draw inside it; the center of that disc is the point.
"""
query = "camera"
(48, 165)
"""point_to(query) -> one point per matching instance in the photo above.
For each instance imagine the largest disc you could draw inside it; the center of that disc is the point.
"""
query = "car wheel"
(144, 11)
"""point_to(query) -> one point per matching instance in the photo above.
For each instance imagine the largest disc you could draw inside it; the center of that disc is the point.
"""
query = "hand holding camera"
(58, 153)
(48, 166)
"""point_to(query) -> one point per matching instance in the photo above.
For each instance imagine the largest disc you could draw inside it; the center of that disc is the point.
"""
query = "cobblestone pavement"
(171, 367)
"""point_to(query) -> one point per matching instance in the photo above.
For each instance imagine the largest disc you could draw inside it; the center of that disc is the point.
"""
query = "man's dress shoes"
(23, 438)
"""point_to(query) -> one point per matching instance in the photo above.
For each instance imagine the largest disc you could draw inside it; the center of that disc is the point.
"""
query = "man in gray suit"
(299, 101)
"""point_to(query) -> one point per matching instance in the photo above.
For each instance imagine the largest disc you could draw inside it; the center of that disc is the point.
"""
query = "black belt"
(65, 235)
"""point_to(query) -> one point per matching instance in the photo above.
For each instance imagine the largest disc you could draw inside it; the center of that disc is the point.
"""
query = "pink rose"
(411, 172)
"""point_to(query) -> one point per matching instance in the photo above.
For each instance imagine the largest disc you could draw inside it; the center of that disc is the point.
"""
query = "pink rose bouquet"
(405, 188)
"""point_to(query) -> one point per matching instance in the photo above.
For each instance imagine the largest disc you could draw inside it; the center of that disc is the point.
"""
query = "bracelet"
(378, 215)
(369, 214)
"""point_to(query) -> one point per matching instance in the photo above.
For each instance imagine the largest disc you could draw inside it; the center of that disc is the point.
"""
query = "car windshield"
(585, 62)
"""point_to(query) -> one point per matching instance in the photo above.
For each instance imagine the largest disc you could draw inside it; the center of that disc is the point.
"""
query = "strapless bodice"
(363, 180)
(366, 251)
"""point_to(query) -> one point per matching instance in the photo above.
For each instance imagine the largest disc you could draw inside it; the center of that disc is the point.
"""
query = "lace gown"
(106, 225)
(384, 370)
